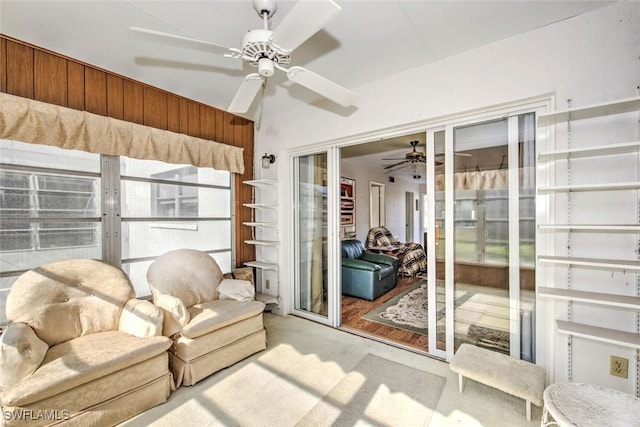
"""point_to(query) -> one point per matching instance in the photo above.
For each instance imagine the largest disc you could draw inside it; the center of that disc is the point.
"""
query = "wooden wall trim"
(36, 73)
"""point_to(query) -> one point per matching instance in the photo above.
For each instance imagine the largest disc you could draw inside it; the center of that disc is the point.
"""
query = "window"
(61, 204)
(36, 209)
(166, 206)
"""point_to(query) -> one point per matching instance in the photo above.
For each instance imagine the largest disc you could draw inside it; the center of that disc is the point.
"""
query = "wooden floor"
(354, 308)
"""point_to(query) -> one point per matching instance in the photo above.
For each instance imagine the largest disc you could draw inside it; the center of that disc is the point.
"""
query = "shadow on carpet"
(378, 392)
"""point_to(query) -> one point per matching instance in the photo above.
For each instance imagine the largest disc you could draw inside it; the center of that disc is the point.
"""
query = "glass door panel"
(492, 252)
(310, 199)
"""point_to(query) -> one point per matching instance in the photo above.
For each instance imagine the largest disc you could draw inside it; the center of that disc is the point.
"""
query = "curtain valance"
(483, 180)
(36, 122)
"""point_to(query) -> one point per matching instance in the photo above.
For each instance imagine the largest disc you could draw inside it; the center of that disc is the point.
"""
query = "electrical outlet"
(267, 284)
(619, 366)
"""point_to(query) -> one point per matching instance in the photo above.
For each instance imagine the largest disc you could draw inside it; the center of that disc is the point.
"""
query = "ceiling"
(367, 41)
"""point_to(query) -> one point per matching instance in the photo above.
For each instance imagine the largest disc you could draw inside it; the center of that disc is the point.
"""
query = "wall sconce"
(268, 159)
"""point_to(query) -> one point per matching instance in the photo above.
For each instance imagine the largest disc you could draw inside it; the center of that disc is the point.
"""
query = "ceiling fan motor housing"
(258, 52)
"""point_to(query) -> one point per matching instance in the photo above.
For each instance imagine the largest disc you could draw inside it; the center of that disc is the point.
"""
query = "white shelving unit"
(579, 288)
(265, 225)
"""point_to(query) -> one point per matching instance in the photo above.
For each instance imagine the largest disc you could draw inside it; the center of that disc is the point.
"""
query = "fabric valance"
(486, 180)
(26, 120)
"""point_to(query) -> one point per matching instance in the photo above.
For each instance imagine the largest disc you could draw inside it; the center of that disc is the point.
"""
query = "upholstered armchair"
(412, 259)
(213, 322)
(365, 274)
(79, 348)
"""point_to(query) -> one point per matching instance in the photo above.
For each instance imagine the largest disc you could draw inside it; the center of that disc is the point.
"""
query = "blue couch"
(365, 274)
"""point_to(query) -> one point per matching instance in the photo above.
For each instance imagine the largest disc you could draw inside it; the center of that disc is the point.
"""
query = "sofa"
(214, 322)
(366, 275)
(79, 348)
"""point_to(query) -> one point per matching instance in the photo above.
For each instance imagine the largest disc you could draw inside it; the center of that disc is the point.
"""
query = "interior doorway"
(377, 204)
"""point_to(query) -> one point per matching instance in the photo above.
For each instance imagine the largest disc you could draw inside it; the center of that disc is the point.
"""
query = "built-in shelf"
(591, 227)
(262, 242)
(261, 224)
(260, 205)
(591, 187)
(260, 182)
(601, 298)
(262, 265)
(597, 333)
(266, 298)
(590, 111)
(264, 224)
(600, 150)
(592, 262)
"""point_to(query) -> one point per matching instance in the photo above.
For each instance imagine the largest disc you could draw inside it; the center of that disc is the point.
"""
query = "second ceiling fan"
(269, 50)
(413, 157)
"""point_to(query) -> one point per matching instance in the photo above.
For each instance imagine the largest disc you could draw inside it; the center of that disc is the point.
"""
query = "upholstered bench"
(510, 375)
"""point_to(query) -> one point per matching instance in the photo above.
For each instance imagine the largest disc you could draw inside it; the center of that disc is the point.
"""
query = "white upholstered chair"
(79, 348)
(214, 322)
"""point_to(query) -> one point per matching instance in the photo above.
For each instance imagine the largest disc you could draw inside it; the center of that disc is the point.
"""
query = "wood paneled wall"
(35, 73)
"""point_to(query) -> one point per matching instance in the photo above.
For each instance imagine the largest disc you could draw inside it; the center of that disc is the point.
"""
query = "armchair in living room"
(412, 258)
(80, 348)
(365, 274)
(214, 322)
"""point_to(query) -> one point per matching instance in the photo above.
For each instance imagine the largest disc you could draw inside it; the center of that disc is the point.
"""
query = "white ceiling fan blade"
(321, 85)
(173, 40)
(305, 19)
(246, 94)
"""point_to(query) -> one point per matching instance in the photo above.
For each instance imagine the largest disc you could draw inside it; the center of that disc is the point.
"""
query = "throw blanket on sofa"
(412, 259)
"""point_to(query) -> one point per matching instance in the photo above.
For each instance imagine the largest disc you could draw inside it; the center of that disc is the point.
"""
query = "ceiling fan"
(413, 157)
(269, 50)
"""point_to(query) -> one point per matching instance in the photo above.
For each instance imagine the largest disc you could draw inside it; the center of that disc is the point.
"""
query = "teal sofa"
(366, 274)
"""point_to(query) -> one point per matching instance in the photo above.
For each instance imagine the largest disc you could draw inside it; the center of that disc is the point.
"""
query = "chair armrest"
(239, 290)
(174, 311)
(359, 264)
(21, 353)
(141, 319)
(380, 258)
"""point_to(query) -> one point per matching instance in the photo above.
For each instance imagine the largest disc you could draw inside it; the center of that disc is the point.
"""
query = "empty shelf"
(259, 205)
(591, 227)
(591, 187)
(589, 111)
(612, 336)
(260, 182)
(266, 298)
(262, 265)
(592, 262)
(590, 297)
(261, 242)
(261, 224)
(601, 150)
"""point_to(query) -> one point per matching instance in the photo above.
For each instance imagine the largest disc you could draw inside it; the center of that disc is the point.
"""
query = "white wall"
(590, 58)
(359, 169)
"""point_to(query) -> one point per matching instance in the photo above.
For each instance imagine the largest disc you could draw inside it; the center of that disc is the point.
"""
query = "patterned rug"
(407, 310)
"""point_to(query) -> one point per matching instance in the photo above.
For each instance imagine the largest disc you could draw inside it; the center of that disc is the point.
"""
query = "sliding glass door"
(311, 234)
(485, 209)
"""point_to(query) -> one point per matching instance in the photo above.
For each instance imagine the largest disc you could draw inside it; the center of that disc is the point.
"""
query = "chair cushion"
(80, 361)
(66, 299)
(212, 315)
(188, 274)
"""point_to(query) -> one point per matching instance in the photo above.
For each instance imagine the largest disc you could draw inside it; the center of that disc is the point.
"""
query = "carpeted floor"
(380, 392)
(308, 367)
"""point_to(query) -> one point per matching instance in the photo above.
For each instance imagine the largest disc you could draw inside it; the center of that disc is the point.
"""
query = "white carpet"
(378, 392)
(304, 361)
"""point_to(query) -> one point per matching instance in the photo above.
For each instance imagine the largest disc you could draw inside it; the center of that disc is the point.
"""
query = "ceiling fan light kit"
(270, 50)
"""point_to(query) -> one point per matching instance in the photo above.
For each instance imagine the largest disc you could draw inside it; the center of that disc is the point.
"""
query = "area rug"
(378, 392)
(407, 310)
